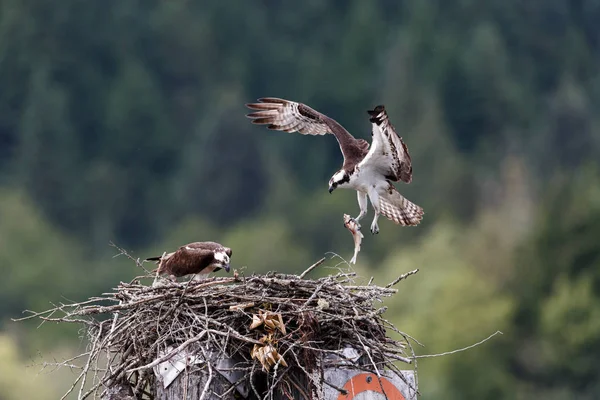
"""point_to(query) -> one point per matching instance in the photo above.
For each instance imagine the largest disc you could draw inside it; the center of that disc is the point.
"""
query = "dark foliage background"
(123, 120)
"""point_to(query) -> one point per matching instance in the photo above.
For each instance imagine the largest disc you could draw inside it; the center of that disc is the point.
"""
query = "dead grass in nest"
(279, 325)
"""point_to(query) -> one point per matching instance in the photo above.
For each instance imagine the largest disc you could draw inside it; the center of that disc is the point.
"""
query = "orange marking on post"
(368, 382)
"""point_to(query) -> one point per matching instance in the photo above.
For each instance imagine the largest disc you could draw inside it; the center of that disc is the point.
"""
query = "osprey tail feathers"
(159, 258)
(397, 208)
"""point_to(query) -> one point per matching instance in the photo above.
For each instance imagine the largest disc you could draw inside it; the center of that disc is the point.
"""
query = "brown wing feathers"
(288, 116)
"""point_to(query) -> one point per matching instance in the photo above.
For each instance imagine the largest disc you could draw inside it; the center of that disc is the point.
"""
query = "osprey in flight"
(368, 171)
(194, 258)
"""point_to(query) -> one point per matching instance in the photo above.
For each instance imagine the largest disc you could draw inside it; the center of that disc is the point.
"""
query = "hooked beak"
(331, 188)
(226, 267)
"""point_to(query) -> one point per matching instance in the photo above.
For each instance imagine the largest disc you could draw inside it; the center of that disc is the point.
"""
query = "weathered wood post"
(187, 375)
(192, 382)
(338, 381)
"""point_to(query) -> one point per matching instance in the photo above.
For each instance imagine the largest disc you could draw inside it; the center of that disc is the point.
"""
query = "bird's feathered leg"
(362, 203)
(374, 197)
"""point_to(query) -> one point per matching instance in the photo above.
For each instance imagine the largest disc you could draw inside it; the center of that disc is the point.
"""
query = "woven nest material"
(279, 327)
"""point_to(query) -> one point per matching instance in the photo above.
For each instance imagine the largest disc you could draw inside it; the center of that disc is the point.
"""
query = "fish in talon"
(354, 228)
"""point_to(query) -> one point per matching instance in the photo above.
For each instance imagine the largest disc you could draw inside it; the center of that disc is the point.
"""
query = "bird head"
(339, 178)
(223, 259)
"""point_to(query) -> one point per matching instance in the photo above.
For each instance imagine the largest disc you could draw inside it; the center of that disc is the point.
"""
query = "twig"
(339, 389)
(401, 277)
(315, 265)
(208, 381)
(368, 351)
(123, 252)
(463, 349)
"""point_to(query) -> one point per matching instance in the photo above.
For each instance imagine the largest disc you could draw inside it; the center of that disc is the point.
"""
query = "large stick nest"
(280, 326)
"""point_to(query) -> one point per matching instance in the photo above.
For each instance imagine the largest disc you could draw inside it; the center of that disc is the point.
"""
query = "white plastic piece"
(170, 369)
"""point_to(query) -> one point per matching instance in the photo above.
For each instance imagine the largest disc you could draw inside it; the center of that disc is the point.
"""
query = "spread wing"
(290, 116)
(388, 155)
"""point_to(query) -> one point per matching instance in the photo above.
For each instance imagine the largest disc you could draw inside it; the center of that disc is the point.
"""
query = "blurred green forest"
(123, 121)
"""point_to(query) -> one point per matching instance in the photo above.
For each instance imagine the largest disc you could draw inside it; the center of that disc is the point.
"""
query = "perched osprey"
(194, 258)
(368, 171)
